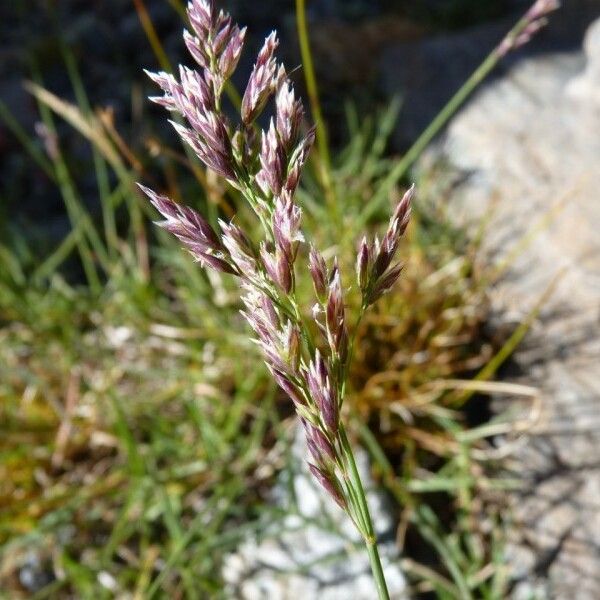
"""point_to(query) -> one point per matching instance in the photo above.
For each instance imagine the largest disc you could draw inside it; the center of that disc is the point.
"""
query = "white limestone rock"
(314, 553)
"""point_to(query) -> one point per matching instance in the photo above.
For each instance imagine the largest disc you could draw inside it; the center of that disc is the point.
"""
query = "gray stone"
(585, 88)
(314, 552)
(530, 142)
(34, 573)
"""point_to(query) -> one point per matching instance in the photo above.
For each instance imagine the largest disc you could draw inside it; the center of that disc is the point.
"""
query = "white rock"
(314, 553)
(530, 141)
(586, 87)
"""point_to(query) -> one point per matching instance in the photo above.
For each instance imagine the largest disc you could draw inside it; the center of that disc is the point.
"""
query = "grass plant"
(138, 444)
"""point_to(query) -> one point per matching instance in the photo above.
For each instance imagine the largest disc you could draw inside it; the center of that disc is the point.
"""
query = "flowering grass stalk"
(265, 166)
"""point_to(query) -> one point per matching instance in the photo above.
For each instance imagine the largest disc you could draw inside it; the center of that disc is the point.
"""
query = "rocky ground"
(529, 146)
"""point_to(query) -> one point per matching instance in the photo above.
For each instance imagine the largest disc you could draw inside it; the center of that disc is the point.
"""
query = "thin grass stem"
(436, 125)
(315, 105)
(369, 533)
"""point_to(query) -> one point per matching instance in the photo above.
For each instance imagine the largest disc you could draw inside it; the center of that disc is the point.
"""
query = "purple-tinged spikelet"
(534, 20)
(363, 259)
(374, 272)
(288, 114)
(239, 246)
(286, 227)
(218, 43)
(277, 268)
(320, 447)
(335, 317)
(297, 160)
(272, 161)
(192, 230)
(322, 392)
(289, 387)
(330, 483)
(261, 82)
(201, 15)
(318, 272)
(230, 55)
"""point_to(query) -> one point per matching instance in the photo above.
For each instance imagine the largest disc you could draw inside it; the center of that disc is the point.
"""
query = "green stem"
(346, 368)
(315, 105)
(437, 125)
(377, 570)
(365, 517)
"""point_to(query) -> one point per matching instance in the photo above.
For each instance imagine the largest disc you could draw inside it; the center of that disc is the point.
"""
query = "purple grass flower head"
(374, 272)
(265, 166)
(261, 82)
(289, 114)
(192, 230)
(318, 272)
(322, 393)
(272, 159)
(335, 317)
(330, 483)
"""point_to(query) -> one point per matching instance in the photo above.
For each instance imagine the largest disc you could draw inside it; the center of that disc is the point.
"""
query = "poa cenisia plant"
(117, 362)
(265, 166)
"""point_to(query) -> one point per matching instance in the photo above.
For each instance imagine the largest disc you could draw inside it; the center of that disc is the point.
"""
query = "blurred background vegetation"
(139, 432)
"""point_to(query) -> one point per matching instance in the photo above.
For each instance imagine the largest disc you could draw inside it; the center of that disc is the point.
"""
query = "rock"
(586, 87)
(34, 573)
(314, 552)
(530, 142)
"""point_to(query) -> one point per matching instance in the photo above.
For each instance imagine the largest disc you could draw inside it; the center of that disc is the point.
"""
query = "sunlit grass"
(139, 433)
